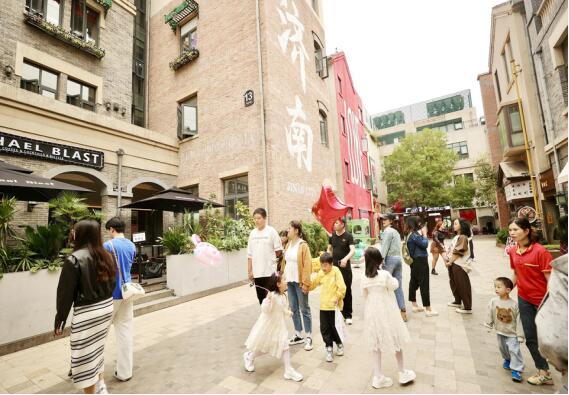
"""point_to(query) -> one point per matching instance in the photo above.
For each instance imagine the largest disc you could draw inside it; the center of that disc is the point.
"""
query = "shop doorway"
(91, 199)
(148, 221)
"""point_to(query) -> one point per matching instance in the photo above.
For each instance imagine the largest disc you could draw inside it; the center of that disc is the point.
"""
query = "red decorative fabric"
(328, 208)
(468, 214)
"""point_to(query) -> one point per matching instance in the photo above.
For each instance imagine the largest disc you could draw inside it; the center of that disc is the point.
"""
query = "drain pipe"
(262, 100)
(120, 153)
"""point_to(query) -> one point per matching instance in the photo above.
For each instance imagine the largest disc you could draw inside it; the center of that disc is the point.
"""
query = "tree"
(462, 193)
(420, 169)
(486, 179)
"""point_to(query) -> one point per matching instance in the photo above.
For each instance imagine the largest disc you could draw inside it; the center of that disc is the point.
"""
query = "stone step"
(157, 304)
(154, 295)
(154, 286)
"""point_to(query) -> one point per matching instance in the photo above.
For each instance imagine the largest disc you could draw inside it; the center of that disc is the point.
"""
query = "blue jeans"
(393, 265)
(528, 312)
(510, 350)
(298, 302)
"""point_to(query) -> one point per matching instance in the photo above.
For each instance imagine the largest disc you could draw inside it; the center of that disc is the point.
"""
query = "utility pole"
(516, 69)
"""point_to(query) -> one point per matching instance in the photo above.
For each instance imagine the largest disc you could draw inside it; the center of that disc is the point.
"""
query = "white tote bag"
(128, 290)
(341, 325)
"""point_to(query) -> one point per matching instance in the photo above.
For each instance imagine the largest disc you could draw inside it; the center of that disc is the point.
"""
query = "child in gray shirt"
(504, 317)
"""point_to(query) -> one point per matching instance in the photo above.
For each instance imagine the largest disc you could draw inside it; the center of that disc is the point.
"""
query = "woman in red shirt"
(531, 264)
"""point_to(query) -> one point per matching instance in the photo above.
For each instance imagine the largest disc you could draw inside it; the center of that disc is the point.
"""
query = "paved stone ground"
(197, 347)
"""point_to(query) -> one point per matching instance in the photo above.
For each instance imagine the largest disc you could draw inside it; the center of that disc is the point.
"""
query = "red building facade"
(353, 141)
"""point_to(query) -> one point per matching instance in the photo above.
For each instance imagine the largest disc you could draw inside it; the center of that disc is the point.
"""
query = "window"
(361, 113)
(340, 86)
(318, 57)
(188, 118)
(80, 95)
(392, 138)
(323, 128)
(343, 125)
(506, 59)
(469, 176)
(498, 86)
(138, 66)
(194, 189)
(84, 21)
(51, 10)
(189, 35)
(510, 126)
(234, 190)
(38, 80)
(461, 148)
(446, 126)
(347, 169)
(315, 6)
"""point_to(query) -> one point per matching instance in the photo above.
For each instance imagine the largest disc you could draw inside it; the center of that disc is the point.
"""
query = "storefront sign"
(23, 146)
(518, 190)
(547, 181)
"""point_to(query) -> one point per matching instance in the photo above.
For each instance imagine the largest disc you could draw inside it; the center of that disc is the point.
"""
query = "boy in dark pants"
(342, 247)
(332, 292)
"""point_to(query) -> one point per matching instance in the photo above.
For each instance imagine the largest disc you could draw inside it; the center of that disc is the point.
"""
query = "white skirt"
(89, 328)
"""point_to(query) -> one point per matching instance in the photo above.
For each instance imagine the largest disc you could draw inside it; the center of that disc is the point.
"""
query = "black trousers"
(328, 328)
(420, 280)
(528, 312)
(347, 275)
(471, 247)
(261, 293)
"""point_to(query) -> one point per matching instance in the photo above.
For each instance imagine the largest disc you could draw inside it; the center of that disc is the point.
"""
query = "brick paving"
(197, 347)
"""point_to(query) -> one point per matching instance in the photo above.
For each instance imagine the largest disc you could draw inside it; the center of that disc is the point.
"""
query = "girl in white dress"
(384, 328)
(269, 335)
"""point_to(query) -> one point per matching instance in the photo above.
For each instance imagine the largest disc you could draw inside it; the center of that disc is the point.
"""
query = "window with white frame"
(188, 118)
(461, 149)
(189, 35)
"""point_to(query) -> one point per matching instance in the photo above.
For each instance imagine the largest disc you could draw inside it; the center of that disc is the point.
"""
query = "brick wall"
(115, 38)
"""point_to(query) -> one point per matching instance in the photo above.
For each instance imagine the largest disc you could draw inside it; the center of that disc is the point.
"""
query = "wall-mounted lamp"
(123, 111)
(31, 205)
(116, 106)
(8, 70)
(108, 105)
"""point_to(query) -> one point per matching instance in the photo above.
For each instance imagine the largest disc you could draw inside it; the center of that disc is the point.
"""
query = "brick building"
(66, 81)
(242, 86)
(547, 28)
(495, 147)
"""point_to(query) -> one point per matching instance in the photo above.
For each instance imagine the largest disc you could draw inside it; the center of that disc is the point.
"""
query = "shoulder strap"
(117, 261)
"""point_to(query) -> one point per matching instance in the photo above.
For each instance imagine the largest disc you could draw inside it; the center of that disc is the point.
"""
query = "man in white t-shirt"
(263, 249)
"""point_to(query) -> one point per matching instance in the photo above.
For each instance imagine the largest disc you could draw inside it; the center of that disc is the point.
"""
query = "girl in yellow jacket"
(297, 268)
(332, 292)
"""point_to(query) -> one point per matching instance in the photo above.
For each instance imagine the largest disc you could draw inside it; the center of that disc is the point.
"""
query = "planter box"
(27, 304)
(186, 276)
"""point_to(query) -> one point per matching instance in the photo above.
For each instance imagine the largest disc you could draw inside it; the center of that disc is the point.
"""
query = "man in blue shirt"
(124, 251)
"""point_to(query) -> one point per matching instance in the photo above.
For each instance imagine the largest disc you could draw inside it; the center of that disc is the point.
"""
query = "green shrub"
(316, 237)
(176, 241)
(45, 241)
(502, 236)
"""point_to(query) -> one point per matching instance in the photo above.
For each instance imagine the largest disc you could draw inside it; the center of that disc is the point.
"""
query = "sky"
(405, 51)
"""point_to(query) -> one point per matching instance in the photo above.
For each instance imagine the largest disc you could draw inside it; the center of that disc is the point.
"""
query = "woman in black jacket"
(87, 282)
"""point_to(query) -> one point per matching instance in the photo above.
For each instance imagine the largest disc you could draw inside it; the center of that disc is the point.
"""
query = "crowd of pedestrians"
(279, 265)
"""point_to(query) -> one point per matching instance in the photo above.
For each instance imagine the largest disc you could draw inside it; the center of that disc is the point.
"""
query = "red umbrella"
(328, 208)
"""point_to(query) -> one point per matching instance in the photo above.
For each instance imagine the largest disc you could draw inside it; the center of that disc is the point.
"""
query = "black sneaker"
(434, 272)
(295, 340)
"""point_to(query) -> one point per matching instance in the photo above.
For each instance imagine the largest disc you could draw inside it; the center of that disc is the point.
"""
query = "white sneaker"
(381, 382)
(463, 311)
(248, 362)
(329, 355)
(308, 344)
(349, 321)
(291, 374)
(417, 309)
(340, 350)
(431, 313)
(101, 388)
(406, 376)
(453, 304)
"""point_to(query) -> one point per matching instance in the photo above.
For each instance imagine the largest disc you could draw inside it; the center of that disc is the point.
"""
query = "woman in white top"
(297, 270)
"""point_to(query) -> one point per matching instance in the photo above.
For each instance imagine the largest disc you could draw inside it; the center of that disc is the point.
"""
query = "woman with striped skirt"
(87, 282)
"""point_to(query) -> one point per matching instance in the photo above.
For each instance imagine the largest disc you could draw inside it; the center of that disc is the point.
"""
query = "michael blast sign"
(23, 146)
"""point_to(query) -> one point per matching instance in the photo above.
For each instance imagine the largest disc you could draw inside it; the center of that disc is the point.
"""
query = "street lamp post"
(516, 69)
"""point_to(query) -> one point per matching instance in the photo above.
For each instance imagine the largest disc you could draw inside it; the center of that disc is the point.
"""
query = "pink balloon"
(205, 253)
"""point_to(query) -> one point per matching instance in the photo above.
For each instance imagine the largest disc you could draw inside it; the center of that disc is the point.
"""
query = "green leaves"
(45, 241)
(486, 179)
(316, 237)
(7, 212)
(419, 169)
(176, 241)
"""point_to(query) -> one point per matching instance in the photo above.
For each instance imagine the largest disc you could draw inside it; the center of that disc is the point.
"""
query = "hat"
(389, 216)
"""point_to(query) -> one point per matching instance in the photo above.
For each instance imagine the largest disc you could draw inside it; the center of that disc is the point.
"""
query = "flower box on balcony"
(186, 8)
(105, 3)
(63, 35)
(185, 58)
